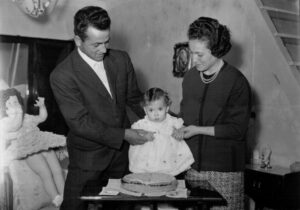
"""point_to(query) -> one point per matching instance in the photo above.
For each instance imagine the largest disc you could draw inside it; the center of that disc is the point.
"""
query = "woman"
(216, 109)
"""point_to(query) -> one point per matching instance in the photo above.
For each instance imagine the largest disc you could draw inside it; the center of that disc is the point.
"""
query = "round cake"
(149, 183)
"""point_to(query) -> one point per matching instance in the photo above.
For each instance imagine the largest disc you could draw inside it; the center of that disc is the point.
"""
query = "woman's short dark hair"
(4, 96)
(154, 94)
(217, 35)
(90, 16)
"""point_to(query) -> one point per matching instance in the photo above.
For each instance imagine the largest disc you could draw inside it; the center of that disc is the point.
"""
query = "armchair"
(24, 189)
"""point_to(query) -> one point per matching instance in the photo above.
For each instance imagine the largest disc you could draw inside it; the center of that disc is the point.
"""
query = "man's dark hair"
(217, 35)
(90, 16)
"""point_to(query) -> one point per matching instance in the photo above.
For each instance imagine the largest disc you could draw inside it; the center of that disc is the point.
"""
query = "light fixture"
(36, 8)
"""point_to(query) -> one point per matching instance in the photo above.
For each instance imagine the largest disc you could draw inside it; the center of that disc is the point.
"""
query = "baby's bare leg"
(56, 170)
(38, 164)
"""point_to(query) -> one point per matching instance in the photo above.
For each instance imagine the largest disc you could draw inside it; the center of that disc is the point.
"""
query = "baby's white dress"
(31, 140)
(164, 154)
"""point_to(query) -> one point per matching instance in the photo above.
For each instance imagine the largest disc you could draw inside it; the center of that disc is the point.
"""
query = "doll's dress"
(164, 154)
(31, 140)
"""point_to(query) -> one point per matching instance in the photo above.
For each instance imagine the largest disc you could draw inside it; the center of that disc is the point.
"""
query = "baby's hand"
(177, 134)
(40, 102)
(190, 131)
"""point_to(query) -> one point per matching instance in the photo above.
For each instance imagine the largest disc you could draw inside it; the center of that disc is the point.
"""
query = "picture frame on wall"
(181, 59)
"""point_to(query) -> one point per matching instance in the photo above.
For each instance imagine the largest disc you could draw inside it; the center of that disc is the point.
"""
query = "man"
(92, 87)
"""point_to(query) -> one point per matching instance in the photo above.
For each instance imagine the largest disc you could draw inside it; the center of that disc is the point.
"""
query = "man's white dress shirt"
(98, 67)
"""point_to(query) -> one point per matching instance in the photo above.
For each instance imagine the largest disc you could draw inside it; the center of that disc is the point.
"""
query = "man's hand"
(138, 136)
(147, 134)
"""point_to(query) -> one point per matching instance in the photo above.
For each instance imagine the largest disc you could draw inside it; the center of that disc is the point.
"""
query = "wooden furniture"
(276, 187)
(201, 194)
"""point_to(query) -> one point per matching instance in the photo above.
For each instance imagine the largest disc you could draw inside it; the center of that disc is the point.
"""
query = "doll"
(24, 140)
(164, 154)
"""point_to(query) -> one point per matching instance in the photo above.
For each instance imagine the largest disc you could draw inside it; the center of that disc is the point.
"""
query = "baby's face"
(157, 110)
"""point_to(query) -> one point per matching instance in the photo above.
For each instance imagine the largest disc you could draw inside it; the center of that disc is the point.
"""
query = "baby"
(164, 154)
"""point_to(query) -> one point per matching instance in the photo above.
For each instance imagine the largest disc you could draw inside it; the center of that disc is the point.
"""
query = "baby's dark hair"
(4, 96)
(154, 94)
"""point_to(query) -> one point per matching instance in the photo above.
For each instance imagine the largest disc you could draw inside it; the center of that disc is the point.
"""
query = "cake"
(149, 183)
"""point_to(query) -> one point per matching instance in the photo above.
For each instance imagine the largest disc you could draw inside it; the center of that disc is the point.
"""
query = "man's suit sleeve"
(77, 117)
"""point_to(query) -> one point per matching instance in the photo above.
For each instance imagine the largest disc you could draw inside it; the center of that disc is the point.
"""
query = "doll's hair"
(4, 96)
(210, 30)
(154, 94)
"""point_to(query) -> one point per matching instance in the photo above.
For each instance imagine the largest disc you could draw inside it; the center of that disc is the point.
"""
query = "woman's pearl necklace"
(209, 80)
(214, 76)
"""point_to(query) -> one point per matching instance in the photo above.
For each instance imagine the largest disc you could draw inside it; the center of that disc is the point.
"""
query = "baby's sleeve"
(137, 125)
(178, 122)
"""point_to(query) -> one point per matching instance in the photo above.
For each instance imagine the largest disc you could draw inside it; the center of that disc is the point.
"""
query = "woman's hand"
(190, 131)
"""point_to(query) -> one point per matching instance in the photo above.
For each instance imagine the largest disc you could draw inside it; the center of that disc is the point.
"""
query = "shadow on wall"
(234, 56)
(119, 40)
(142, 79)
(254, 128)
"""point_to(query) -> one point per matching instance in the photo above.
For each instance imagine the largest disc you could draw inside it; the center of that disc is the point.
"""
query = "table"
(276, 187)
(200, 194)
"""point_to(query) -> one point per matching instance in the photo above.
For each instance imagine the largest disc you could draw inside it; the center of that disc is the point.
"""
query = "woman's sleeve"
(236, 113)
(178, 123)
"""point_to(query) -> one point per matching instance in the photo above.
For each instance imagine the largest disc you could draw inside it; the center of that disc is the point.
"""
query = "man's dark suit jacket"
(95, 119)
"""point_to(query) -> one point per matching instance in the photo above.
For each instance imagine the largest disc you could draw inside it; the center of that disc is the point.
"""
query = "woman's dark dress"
(225, 103)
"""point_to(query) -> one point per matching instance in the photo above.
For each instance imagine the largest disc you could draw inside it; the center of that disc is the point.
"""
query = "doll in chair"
(24, 141)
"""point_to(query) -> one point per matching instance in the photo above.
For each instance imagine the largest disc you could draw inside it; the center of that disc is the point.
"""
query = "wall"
(277, 103)
(148, 30)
